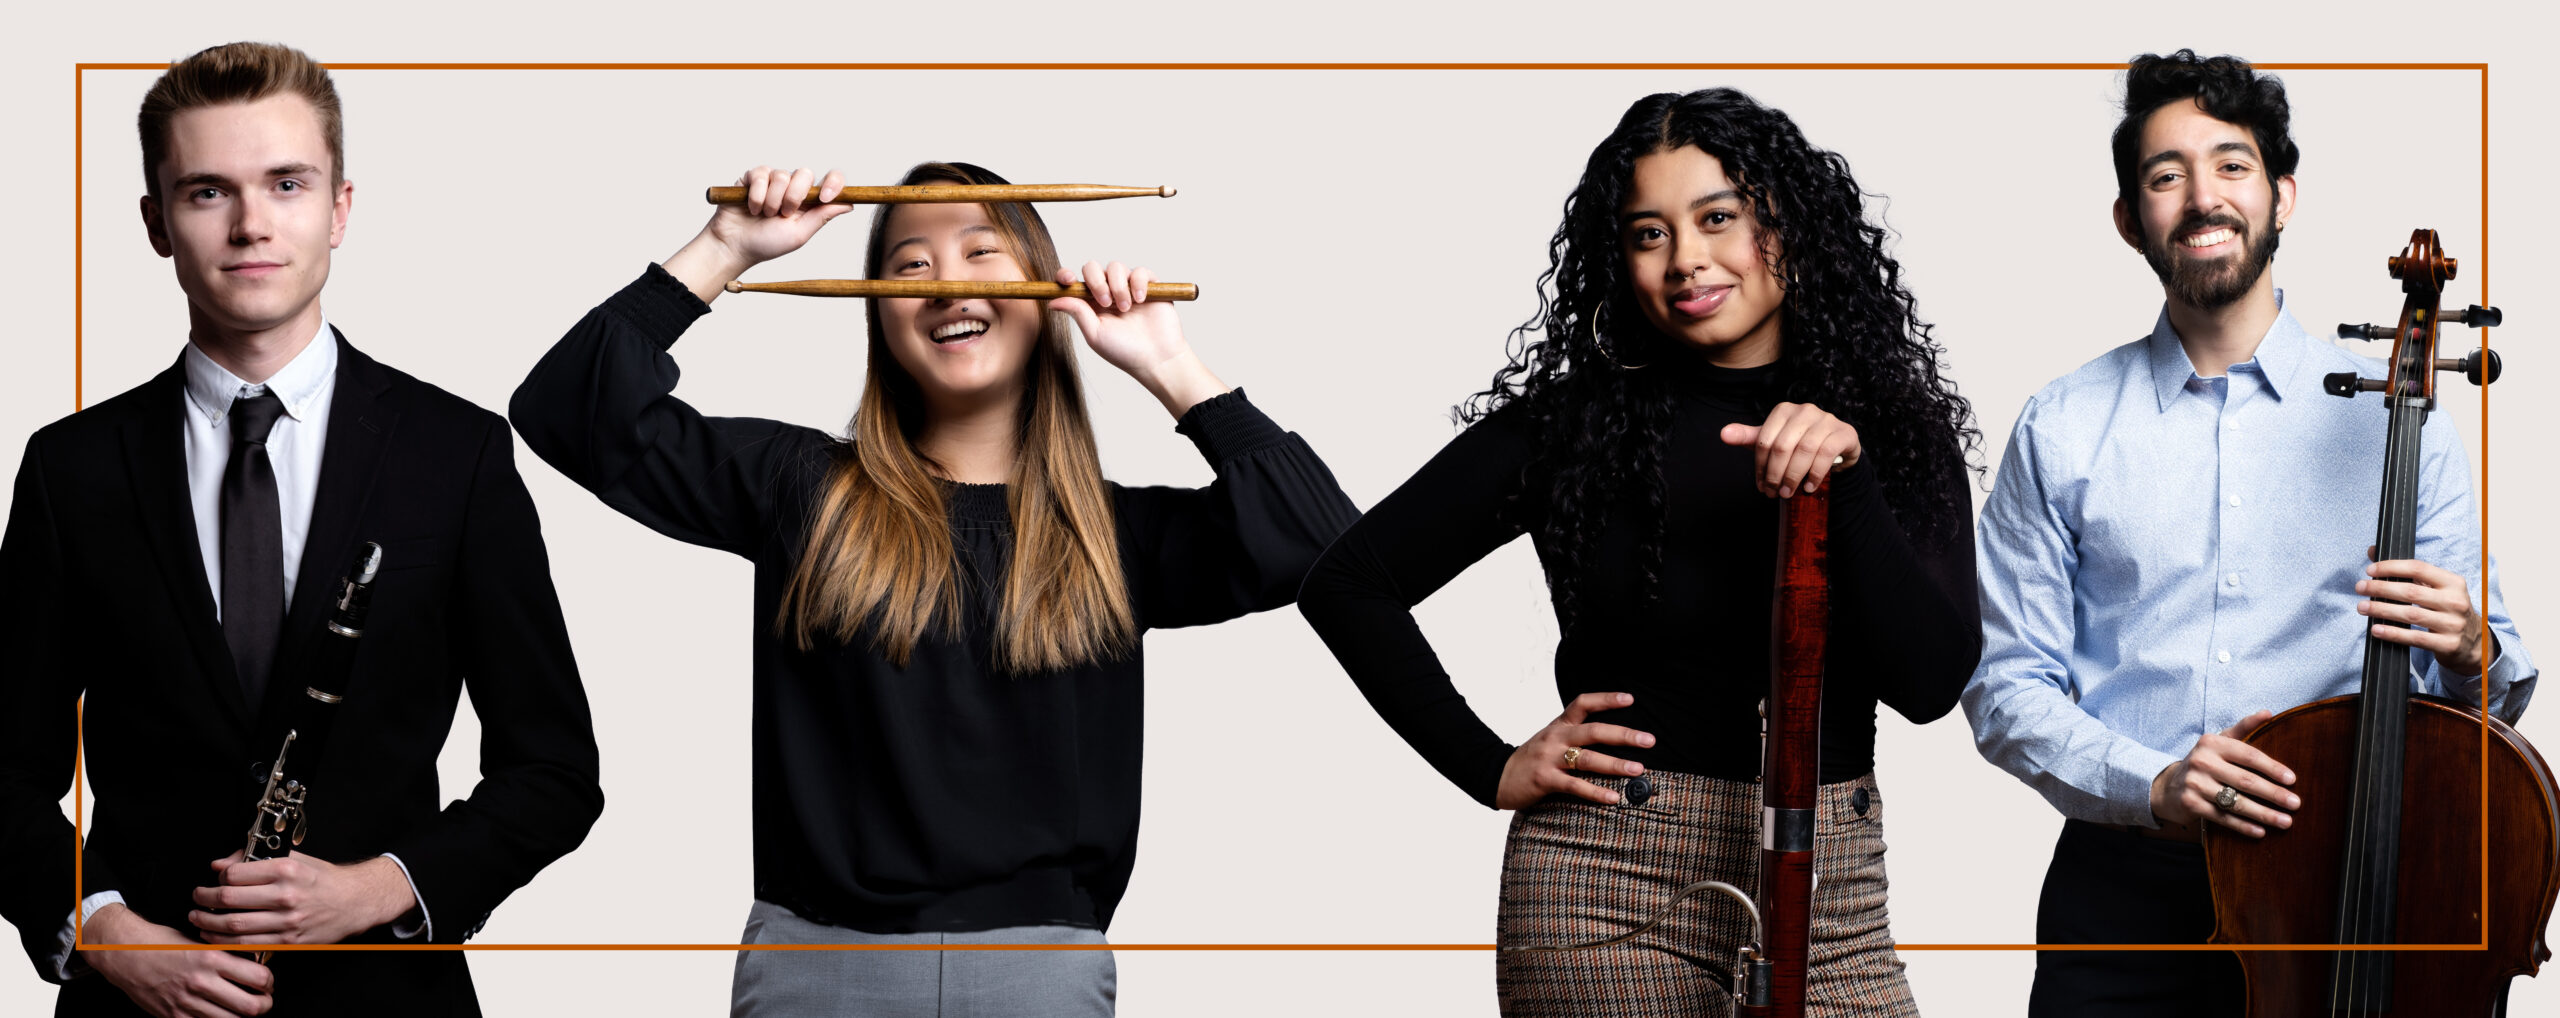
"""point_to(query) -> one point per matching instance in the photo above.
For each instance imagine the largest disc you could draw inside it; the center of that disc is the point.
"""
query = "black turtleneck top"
(1905, 627)
(945, 795)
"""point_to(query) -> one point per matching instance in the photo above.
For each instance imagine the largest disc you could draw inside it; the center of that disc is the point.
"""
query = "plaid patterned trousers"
(1575, 871)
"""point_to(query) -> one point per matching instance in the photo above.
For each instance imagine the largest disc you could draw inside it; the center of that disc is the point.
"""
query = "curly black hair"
(2226, 87)
(1852, 341)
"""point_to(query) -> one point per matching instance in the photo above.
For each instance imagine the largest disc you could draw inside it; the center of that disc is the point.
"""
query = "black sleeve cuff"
(1226, 426)
(659, 305)
(1488, 780)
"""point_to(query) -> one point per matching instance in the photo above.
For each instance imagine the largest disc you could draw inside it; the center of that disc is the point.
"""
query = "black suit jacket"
(105, 595)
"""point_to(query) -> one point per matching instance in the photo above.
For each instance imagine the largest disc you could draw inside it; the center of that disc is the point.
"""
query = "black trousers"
(2112, 887)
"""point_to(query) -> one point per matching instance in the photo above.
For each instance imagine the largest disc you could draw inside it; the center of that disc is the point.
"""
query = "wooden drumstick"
(927, 193)
(950, 288)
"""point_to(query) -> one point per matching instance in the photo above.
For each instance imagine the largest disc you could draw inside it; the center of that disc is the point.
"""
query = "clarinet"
(281, 819)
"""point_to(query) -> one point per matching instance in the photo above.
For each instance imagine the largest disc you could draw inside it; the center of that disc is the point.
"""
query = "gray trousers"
(918, 983)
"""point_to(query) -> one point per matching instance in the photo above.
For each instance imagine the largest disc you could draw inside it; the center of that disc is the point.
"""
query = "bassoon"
(1771, 975)
(1769, 967)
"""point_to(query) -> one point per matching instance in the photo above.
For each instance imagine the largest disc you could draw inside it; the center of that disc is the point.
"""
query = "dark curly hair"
(1852, 339)
(2227, 88)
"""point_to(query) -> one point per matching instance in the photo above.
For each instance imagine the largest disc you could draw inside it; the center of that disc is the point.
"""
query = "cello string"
(2388, 668)
(2368, 751)
(2343, 965)
(2360, 908)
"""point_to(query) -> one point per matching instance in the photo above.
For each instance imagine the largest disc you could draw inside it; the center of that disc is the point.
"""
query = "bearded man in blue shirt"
(2176, 549)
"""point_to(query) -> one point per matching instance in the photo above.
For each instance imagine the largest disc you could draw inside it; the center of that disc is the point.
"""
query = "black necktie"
(252, 545)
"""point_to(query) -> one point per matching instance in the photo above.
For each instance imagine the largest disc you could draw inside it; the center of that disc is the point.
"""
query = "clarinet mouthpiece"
(355, 594)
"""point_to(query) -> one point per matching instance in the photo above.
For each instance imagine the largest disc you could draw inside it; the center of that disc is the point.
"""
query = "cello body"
(2440, 865)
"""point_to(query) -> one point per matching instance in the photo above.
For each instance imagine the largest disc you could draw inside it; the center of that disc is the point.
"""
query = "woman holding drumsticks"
(1725, 329)
(948, 602)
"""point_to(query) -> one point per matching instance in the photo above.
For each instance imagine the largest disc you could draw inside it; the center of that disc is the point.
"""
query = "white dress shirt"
(306, 384)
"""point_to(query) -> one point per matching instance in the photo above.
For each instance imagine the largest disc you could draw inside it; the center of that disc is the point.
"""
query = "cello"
(2437, 886)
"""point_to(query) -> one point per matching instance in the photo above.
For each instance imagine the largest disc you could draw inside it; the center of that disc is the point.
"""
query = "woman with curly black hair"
(1719, 328)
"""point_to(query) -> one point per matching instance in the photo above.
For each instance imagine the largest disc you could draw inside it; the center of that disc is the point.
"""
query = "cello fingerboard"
(2368, 887)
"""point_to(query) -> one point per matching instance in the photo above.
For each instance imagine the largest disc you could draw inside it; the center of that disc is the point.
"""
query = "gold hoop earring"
(1592, 327)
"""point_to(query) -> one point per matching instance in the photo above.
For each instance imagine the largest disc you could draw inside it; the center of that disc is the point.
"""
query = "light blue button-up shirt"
(2164, 554)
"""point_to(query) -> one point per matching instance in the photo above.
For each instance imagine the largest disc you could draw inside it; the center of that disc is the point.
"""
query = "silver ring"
(2227, 798)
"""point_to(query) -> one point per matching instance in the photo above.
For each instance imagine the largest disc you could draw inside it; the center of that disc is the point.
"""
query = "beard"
(2217, 283)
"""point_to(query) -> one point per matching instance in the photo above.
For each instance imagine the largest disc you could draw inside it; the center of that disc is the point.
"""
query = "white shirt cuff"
(67, 965)
(425, 927)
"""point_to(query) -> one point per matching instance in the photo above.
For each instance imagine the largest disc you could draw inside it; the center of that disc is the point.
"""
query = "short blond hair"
(239, 72)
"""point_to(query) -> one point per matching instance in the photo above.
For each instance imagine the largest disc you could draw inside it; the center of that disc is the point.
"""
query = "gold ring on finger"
(1572, 757)
(2227, 798)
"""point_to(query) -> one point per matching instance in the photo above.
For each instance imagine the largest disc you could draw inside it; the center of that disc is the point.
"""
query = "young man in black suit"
(170, 554)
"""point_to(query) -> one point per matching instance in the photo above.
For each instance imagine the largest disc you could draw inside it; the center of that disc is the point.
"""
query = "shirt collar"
(300, 384)
(2280, 356)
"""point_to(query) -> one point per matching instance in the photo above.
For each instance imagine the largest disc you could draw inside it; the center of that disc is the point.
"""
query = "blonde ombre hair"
(879, 553)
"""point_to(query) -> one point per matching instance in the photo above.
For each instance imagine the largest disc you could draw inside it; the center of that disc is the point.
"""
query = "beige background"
(1365, 240)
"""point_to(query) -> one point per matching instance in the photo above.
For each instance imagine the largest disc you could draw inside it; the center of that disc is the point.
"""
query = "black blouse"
(944, 795)
(1905, 628)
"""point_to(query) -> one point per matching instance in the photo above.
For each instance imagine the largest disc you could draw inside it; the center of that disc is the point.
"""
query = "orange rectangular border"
(78, 349)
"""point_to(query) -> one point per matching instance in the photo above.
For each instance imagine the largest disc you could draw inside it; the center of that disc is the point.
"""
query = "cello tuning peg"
(2478, 317)
(2346, 331)
(2480, 366)
(2348, 383)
